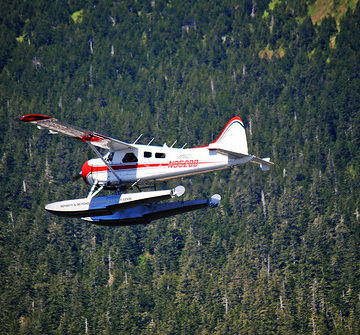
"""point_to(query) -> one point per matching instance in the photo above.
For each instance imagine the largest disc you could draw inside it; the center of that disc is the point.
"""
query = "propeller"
(76, 177)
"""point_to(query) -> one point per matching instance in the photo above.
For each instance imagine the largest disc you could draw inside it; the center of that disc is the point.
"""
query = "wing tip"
(34, 117)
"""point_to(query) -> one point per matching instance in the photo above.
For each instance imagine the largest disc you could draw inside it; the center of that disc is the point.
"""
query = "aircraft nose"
(86, 171)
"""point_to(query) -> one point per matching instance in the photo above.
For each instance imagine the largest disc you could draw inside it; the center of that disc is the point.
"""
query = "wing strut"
(105, 162)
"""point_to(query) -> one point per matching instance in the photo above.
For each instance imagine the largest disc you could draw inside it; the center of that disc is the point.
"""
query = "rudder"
(232, 138)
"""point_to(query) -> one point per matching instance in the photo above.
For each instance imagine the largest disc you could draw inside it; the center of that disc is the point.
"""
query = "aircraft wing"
(56, 126)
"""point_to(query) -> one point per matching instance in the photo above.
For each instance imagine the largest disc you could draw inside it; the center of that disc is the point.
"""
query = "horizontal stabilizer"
(232, 154)
(264, 163)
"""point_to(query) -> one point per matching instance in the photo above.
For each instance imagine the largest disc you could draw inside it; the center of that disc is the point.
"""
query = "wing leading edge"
(54, 125)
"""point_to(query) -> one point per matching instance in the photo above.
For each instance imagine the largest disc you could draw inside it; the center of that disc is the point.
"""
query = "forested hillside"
(280, 254)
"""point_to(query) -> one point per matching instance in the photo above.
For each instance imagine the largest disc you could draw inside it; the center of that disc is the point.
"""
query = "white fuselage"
(131, 163)
(154, 163)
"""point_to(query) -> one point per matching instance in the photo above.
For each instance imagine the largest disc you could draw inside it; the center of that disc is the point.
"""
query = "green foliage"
(78, 16)
(280, 254)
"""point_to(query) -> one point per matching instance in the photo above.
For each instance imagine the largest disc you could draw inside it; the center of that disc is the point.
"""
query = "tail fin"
(232, 138)
(232, 142)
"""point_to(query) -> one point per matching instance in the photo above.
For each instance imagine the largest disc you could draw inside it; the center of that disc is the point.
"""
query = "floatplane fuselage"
(154, 163)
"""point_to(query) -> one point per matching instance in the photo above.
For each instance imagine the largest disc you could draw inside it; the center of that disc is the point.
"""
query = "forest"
(281, 252)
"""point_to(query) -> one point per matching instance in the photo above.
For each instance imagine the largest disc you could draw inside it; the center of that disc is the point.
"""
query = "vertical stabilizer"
(232, 138)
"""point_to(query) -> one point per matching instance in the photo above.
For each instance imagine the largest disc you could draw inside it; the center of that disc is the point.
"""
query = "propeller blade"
(76, 177)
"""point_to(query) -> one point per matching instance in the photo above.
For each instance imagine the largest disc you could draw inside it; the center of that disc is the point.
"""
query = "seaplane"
(129, 166)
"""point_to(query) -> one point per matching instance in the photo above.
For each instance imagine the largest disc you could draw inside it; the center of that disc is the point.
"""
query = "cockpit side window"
(130, 158)
(109, 157)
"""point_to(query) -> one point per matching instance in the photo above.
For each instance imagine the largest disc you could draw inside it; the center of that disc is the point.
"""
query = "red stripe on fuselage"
(103, 168)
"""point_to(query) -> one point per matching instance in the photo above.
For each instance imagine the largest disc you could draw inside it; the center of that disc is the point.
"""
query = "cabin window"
(159, 155)
(130, 158)
(109, 157)
(147, 154)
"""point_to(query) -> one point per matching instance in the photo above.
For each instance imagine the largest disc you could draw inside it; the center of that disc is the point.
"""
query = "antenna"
(138, 138)
(173, 144)
(183, 146)
(151, 141)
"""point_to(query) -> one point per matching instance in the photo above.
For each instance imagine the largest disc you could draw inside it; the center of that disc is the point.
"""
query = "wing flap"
(56, 126)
